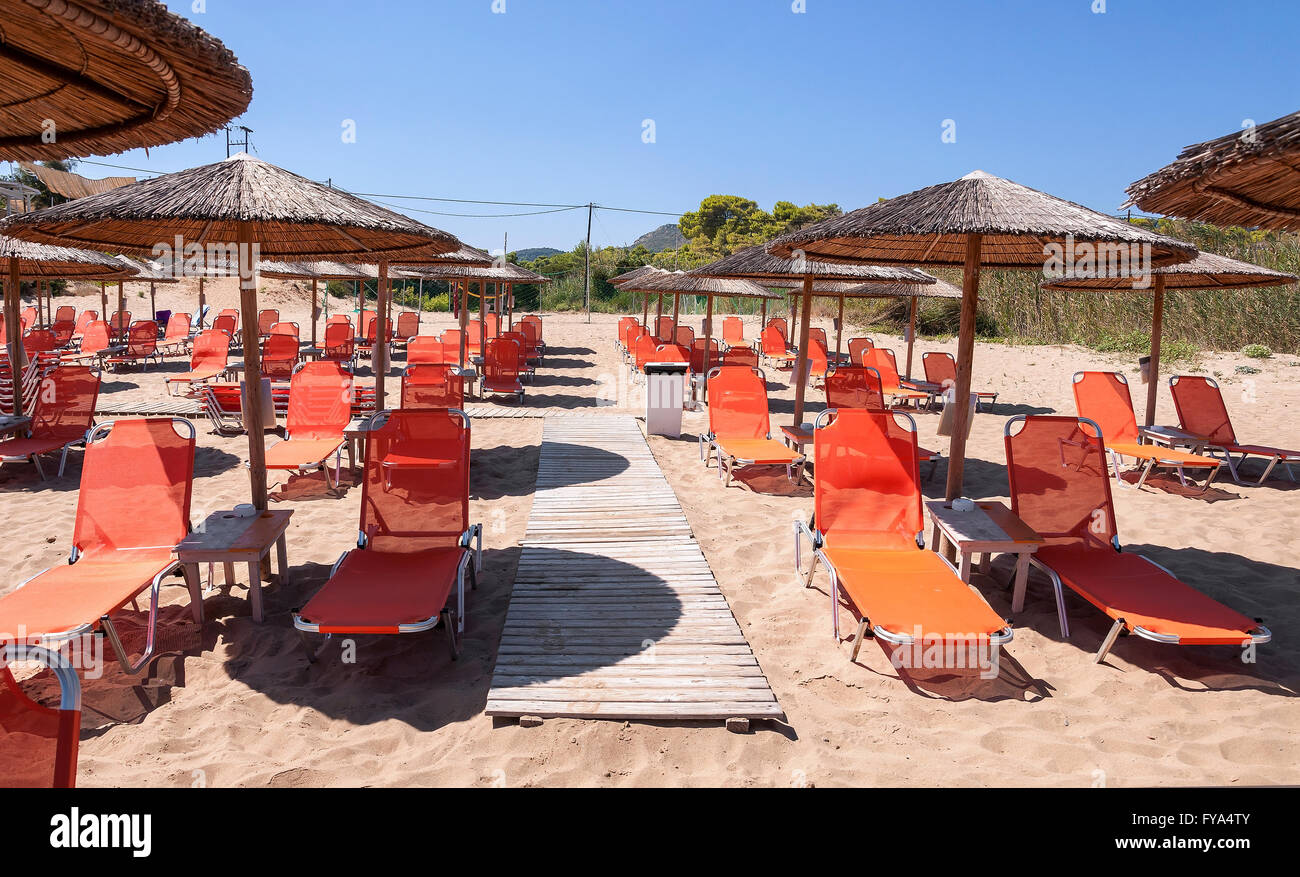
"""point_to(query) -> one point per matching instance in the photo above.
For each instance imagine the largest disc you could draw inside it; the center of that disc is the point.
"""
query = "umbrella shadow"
(496, 470)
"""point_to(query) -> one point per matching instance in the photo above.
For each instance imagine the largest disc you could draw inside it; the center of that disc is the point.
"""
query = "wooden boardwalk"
(615, 613)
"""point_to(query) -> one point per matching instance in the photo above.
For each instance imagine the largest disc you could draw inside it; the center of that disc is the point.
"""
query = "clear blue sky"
(843, 103)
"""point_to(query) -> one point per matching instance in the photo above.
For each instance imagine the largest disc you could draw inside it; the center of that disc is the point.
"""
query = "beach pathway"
(615, 613)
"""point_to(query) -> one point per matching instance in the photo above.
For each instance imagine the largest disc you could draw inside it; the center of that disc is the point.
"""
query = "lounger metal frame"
(708, 443)
(1219, 451)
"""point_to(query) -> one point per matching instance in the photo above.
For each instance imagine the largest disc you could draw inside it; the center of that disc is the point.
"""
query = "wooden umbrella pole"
(121, 300)
(1157, 329)
(252, 395)
(762, 320)
(645, 310)
(463, 316)
(202, 301)
(708, 344)
(380, 354)
(482, 322)
(103, 300)
(153, 298)
(361, 289)
(839, 332)
(677, 304)
(801, 361)
(315, 310)
(970, 292)
(14, 333)
(659, 312)
(911, 336)
(510, 306)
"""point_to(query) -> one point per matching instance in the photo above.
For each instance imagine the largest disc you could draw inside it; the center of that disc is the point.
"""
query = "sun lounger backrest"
(339, 320)
(226, 323)
(39, 341)
(1059, 483)
(63, 331)
(857, 348)
(738, 403)
(211, 351)
(178, 327)
(773, 342)
(882, 360)
(1103, 397)
(408, 324)
(1200, 407)
(853, 386)
(95, 337)
(522, 340)
(698, 366)
(423, 349)
(531, 333)
(819, 334)
(780, 325)
(645, 348)
(818, 357)
(502, 361)
(279, 355)
(320, 401)
(412, 508)
(339, 343)
(38, 743)
(266, 319)
(65, 403)
(65, 314)
(28, 316)
(534, 320)
(473, 333)
(940, 368)
(664, 329)
(867, 485)
(432, 386)
(86, 318)
(120, 321)
(142, 339)
(733, 330)
(285, 328)
(685, 336)
(135, 486)
(743, 356)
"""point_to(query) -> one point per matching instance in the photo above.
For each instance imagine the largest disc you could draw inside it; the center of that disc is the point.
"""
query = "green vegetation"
(1256, 351)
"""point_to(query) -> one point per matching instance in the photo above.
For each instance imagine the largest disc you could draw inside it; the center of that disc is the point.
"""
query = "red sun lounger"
(38, 743)
(320, 408)
(1060, 488)
(64, 414)
(1201, 413)
(739, 429)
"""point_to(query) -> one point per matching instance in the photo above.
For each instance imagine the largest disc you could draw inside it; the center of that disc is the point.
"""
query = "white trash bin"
(665, 393)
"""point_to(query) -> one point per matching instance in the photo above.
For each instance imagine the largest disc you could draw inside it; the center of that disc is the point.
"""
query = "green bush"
(1256, 351)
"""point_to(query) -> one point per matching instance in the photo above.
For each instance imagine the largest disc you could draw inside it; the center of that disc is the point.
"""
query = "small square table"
(990, 528)
(797, 436)
(10, 425)
(227, 538)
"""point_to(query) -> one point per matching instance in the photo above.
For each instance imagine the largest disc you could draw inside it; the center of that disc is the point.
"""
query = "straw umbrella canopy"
(980, 221)
(145, 272)
(1250, 177)
(627, 278)
(678, 284)
(315, 272)
(790, 271)
(111, 75)
(1206, 271)
(24, 260)
(240, 209)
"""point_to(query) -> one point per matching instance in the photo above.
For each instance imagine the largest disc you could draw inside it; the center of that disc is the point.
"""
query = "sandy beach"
(236, 703)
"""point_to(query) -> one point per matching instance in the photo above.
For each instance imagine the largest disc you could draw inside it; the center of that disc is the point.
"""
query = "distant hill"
(532, 253)
(665, 237)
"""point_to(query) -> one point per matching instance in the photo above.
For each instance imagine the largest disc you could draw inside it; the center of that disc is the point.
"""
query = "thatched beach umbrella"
(152, 274)
(624, 281)
(242, 208)
(913, 292)
(1206, 271)
(316, 272)
(21, 260)
(97, 77)
(463, 274)
(760, 266)
(1250, 177)
(677, 284)
(980, 221)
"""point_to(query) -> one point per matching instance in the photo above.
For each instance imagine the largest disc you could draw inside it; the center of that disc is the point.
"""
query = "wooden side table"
(10, 425)
(796, 437)
(226, 538)
(989, 529)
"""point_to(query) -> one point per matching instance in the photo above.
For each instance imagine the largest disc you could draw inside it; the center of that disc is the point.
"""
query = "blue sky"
(844, 102)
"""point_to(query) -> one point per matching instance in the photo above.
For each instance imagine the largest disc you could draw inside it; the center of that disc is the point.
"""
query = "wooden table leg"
(230, 573)
(1022, 581)
(282, 558)
(255, 589)
(195, 585)
(986, 560)
(965, 566)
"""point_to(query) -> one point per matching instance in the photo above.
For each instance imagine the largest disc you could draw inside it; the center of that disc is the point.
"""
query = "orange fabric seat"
(763, 451)
(66, 597)
(415, 587)
(299, 453)
(1144, 595)
(909, 589)
(1162, 456)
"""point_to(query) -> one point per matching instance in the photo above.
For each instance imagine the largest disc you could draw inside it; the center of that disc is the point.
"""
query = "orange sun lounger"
(132, 510)
(1201, 413)
(416, 543)
(64, 414)
(853, 386)
(429, 385)
(38, 743)
(941, 370)
(1103, 398)
(868, 531)
(320, 408)
(892, 385)
(501, 369)
(1060, 487)
(739, 428)
(207, 362)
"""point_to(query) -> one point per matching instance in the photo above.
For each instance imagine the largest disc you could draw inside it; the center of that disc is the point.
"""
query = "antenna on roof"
(244, 145)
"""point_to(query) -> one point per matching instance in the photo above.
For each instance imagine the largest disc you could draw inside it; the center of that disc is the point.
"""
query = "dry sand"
(236, 703)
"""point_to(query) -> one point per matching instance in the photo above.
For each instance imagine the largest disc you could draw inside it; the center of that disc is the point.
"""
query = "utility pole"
(243, 144)
(586, 283)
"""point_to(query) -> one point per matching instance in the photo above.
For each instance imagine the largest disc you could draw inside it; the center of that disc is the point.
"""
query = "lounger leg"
(1182, 476)
(1145, 472)
(1114, 459)
(116, 641)
(858, 638)
(449, 623)
(835, 604)
(1232, 466)
(1109, 641)
(63, 461)
(40, 470)
(1267, 472)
